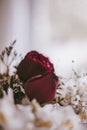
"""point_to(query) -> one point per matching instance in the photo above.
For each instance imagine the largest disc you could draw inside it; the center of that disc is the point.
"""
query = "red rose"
(38, 74)
(33, 64)
(42, 87)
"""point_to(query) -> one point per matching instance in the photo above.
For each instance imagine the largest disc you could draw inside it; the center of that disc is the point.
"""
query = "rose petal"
(43, 88)
(33, 64)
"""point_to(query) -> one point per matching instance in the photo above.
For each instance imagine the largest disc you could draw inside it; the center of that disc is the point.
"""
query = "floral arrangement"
(37, 73)
(7, 57)
(35, 98)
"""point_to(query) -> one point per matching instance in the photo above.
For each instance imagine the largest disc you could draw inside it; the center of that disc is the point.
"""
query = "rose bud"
(42, 87)
(33, 64)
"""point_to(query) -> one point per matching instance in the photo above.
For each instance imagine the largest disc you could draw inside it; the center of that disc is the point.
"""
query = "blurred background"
(56, 28)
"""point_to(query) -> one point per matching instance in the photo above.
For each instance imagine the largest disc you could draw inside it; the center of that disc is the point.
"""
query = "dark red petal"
(33, 64)
(39, 58)
(43, 88)
(29, 68)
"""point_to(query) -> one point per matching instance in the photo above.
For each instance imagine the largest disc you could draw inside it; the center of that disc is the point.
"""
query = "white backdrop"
(59, 30)
(56, 28)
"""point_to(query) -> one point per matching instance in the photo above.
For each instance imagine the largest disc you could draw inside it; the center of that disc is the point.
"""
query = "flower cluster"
(73, 91)
(7, 57)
